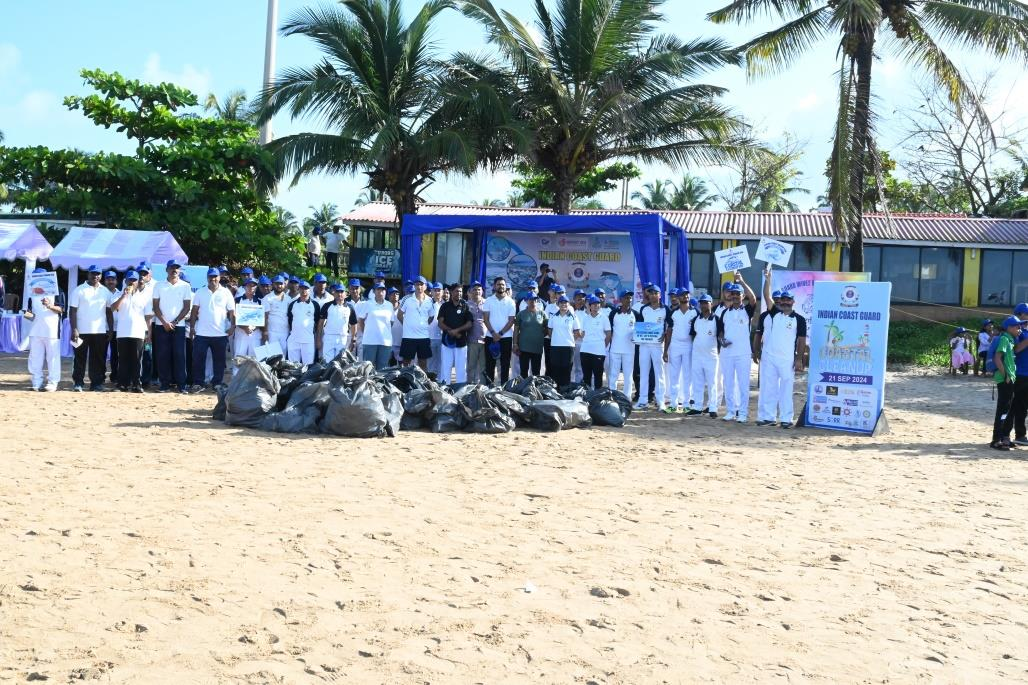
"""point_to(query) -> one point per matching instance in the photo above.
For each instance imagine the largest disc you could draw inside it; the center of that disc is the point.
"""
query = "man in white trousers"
(44, 340)
(435, 335)
(678, 355)
(622, 346)
(736, 352)
(706, 333)
(337, 321)
(276, 321)
(779, 347)
(455, 322)
(247, 338)
(651, 352)
(302, 315)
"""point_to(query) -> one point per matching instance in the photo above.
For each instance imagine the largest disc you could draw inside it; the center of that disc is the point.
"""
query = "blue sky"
(219, 46)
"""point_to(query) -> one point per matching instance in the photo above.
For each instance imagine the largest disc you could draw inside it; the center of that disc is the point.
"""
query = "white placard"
(249, 315)
(732, 259)
(774, 252)
(262, 352)
(43, 285)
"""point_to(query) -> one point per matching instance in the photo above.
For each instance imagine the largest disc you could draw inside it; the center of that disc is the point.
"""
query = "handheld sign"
(774, 252)
(647, 332)
(249, 315)
(272, 349)
(732, 259)
(43, 285)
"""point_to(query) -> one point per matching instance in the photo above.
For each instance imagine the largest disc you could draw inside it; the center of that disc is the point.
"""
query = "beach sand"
(144, 543)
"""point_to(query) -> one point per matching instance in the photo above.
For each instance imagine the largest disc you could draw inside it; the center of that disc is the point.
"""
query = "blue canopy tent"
(647, 232)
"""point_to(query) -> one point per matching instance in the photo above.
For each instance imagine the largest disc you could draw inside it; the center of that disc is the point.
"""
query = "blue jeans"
(170, 351)
(217, 346)
(377, 355)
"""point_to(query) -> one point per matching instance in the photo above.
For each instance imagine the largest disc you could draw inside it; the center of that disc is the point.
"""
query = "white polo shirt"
(563, 329)
(415, 317)
(90, 308)
(681, 327)
(623, 330)
(434, 332)
(304, 316)
(132, 314)
(780, 333)
(45, 323)
(736, 325)
(378, 322)
(595, 329)
(499, 312)
(705, 334)
(214, 306)
(275, 307)
(171, 297)
(337, 318)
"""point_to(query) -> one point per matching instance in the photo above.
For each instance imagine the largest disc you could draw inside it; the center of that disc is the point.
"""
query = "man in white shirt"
(736, 353)
(706, 338)
(678, 355)
(247, 338)
(303, 326)
(90, 317)
(333, 246)
(498, 314)
(336, 323)
(435, 335)
(44, 315)
(147, 285)
(779, 346)
(376, 324)
(135, 311)
(622, 347)
(356, 299)
(313, 250)
(212, 322)
(276, 322)
(651, 353)
(172, 300)
(416, 313)
(319, 293)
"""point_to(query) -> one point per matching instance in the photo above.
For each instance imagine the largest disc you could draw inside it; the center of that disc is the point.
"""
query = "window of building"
(1004, 277)
(940, 275)
(872, 261)
(918, 274)
(702, 267)
(807, 256)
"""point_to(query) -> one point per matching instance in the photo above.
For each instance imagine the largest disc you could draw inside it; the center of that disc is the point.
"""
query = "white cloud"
(196, 80)
(808, 102)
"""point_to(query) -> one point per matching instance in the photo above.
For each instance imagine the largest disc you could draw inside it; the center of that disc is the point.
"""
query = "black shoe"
(765, 422)
(713, 414)
(137, 389)
(164, 388)
(787, 424)
(1000, 446)
(122, 388)
(96, 388)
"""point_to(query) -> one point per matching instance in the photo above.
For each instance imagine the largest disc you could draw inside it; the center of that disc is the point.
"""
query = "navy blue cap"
(652, 288)
(693, 302)
(600, 291)
(579, 292)
(494, 349)
(110, 274)
(133, 276)
(472, 284)
(592, 299)
(250, 281)
(961, 329)
(1021, 308)
(776, 294)
(94, 269)
(263, 280)
(173, 264)
(532, 285)
(279, 279)
(563, 298)
(706, 298)
(437, 286)
(986, 322)
(421, 279)
(320, 278)
(294, 279)
(734, 288)
(223, 269)
(379, 274)
(625, 293)
(647, 284)
(390, 291)
(143, 267)
(785, 295)
(1011, 321)
(557, 288)
(247, 271)
(212, 272)
(355, 281)
(305, 284)
(338, 288)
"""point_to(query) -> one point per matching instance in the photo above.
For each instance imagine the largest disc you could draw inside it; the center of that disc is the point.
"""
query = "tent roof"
(22, 240)
(115, 248)
(417, 224)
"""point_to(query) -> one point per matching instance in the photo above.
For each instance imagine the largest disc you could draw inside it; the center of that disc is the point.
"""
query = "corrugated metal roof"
(932, 228)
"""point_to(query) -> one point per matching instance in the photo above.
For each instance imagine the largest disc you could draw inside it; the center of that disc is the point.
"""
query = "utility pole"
(269, 62)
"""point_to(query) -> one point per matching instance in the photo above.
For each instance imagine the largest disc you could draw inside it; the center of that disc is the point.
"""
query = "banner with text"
(583, 260)
(801, 285)
(849, 339)
(367, 262)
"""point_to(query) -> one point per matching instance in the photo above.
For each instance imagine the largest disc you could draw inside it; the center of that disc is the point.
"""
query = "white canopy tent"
(113, 248)
(22, 240)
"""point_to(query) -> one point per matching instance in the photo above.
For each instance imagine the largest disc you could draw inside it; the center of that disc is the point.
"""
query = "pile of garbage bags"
(349, 398)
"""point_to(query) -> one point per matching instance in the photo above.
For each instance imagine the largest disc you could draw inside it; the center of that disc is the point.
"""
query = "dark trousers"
(1020, 405)
(332, 262)
(217, 346)
(530, 363)
(560, 364)
(170, 350)
(506, 344)
(112, 352)
(592, 369)
(1004, 412)
(146, 365)
(93, 348)
(189, 363)
(130, 354)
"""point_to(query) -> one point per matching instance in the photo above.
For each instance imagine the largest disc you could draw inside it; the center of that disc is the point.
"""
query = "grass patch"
(925, 344)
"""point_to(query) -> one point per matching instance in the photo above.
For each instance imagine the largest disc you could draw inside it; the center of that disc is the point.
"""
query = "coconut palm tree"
(378, 89)
(691, 194)
(324, 215)
(863, 28)
(369, 195)
(600, 84)
(286, 220)
(232, 107)
(655, 195)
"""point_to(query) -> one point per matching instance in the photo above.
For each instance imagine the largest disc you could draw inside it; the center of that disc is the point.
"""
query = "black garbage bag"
(518, 406)
(287, 369)
(273, 360)
(573, 391)
(555, 415)
(291, 420)
(252, 393)
(312, 373)
(483, 413)
(365, 409)
(351, 375)
(344, 358)
(415, 404)
(406, 378)
(286, 387)
(534, 388)
(309, 395)
(609, 407)
(445, 414)
(219, 409)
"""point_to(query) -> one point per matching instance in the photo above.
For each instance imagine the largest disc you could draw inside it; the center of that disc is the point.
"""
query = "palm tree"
(378, 89)
(489, 203)
(601, 84)
(369, 195)
(691, 194)
(862, 27)
(655, 195)
(286, 220)
(233, 107)
(324, 215)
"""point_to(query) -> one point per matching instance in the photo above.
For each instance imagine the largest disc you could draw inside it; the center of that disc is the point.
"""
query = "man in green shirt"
(1006, 372)
(529, 332)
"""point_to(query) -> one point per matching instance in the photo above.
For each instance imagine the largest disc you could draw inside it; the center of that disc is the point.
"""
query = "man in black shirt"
(454, 321)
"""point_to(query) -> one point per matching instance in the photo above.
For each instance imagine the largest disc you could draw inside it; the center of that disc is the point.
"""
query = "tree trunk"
(861, 146)
(562, 194)
(404, 202)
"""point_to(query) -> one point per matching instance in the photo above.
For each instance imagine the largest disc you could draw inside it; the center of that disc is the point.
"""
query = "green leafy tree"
(601, 84)
(378, 89)
(863, 29)
(324, 215)
(766, 181)
(538, 187)
(190, 175)
(655, 195)
(691, 194)
(233, 107)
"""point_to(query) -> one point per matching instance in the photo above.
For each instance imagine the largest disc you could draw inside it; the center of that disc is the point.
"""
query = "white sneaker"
(742, 419)
(641, 405)
(728, 417)
(50, 388)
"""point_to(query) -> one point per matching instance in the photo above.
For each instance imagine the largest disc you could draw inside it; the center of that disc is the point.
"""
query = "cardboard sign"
(732, 259)
(774, 252)
(647, 332)
(272, 349)
(43, 285)
(249, 315)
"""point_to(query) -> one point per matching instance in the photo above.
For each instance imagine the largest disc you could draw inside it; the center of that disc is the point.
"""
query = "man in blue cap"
(651, 351)
(303, 322)
(379, 278)
(476, 335)
(172, 301)
(706, 335)
(416, 313)
(135, 312)
(337, 322)
(276, 320)
(779, 345)
(375, 321)
(263, 287)
(355, 297)
(1020, 403)
(678, 355)
(247, 338)
(319, 293)
(293, 288)
(622, 345)
(90, 317)
(736, 348)
(111, 284)
(147, 285)
(44, 313)
(212, 322)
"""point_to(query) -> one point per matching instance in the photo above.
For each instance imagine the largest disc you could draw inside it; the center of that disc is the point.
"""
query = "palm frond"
(840, 167)
(777, 49)
(978, 27)
(744, 11)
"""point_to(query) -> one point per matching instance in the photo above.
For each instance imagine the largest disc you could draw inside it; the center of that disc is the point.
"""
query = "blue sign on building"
(366, 262)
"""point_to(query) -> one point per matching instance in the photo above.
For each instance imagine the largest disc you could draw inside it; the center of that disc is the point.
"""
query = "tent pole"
(73, 280)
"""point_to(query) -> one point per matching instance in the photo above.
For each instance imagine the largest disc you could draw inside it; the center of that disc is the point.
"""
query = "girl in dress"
(984, 341)
(959, 356)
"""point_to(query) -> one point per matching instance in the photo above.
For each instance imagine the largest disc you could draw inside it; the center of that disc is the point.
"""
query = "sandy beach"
(144, 543)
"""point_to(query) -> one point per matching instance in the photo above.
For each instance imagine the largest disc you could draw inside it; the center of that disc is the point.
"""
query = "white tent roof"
(22, 240)
(115, 248)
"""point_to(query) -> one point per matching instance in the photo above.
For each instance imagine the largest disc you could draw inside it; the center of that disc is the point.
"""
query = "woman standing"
(530, 328)
(596, 334)
(564, 330)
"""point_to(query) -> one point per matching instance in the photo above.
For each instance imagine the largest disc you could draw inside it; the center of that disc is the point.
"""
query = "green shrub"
(925, 344)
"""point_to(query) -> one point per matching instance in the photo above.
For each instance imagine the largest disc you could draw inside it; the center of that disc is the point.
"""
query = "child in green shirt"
(1004, 377)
